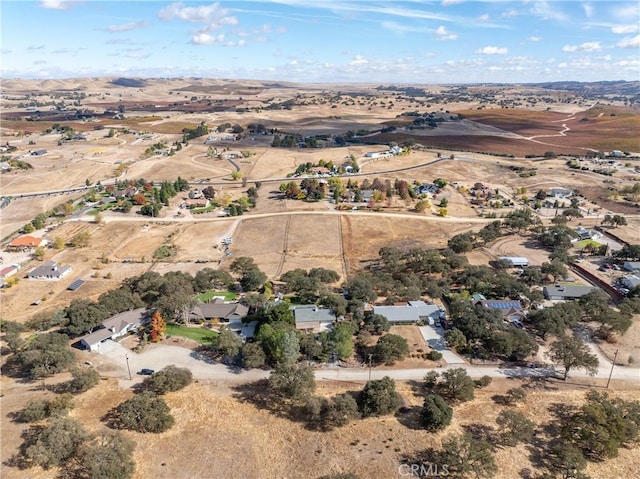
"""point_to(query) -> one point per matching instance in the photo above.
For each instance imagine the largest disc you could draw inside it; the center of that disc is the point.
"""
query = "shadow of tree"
(410, 417)
(483, 432)
(19, 460)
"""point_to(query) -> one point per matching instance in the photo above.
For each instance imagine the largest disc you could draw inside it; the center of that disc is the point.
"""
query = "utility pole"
(128, 368)
(370, 356)
(612, 365)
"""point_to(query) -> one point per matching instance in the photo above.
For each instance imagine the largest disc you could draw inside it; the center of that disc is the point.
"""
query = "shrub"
(169, 379)
(83, 380)
(144, 412)
(434, 355)
(40, 409)
(436, 413)
(483, 382)
(379, 397)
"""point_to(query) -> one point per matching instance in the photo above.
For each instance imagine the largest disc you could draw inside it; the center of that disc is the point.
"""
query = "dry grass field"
(217, 432)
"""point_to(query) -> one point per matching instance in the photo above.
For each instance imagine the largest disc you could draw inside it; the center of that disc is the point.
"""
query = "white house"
(49, 270)
(115, 327)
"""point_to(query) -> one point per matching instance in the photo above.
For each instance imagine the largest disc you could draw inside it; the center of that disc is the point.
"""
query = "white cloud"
(442, 34)
(484, 17)
(126, 27)
(622, 29)
(535, 39)
(510, 13)
(450, 2)
(210, 14)
(57, 4)
(633, 42)
(545, 11)
(489, 50)
(207, 39)
(585, 47)
(588, 10)
(359, 60)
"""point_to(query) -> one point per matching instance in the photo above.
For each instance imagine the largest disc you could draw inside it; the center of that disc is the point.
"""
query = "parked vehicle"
(146, 372)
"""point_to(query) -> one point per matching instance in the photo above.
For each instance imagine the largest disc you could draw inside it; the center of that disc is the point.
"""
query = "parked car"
(146, 372)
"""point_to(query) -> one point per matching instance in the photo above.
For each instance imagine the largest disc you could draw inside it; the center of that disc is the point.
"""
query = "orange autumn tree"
(158, 327)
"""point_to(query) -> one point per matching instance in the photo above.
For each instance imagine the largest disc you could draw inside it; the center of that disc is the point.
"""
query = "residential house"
(411, 313)
(196, 203)
(585, 233)
(375, 154)
(630, 281)
(26, 243)
(512, 311)
(429, 189)
(313, 318)
(561, 193)
(195, 194)
(49, 270)
(220, 311)
(631, 266)
(115, 327)
(566, 292)
(5, 166)
(38, 152)
(125, 193)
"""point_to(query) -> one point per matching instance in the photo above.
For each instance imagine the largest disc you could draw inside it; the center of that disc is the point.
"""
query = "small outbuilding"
(515, 261)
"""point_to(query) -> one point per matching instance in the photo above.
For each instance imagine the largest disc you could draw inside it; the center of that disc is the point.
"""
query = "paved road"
(158, 356)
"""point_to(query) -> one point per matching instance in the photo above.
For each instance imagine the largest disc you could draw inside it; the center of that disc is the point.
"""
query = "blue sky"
(413, 41)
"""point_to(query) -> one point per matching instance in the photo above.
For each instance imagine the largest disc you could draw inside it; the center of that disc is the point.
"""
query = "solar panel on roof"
(75, 285)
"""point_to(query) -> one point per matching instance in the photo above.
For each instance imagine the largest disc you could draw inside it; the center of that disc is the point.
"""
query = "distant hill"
(599, 88)
(129, 82)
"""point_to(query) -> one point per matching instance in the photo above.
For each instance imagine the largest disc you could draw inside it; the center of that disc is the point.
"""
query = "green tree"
(378, 398)
(82, 380)
(329, 413)
(456, 385)
(514, 427)
(293, 382)
(515, 395)
(56, 443)
(455, 339)
(467, 457)
(108, 457)
(342, 337)
(253, 356)
(169, 379)
(144, 412)
(228, 344)
(39, 409)
(45, 354)
(436, 414)
(391, 348)
(572, 352)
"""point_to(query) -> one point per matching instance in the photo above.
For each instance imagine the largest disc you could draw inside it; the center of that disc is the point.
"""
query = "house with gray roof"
(219, 310)
(49, 270)
(631, 266)
(411, 313)
(565, 292)
(115, 327)
(512, 311)
(313, 318)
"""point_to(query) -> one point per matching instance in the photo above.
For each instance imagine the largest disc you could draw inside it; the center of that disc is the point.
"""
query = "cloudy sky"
(412, 41)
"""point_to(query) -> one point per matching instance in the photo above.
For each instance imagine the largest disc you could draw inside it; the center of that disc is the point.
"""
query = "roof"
(75, 285)
(220, 310)
(49, 268)
(8, 269)
(411, 313)
(631, 265)
(26, 241)
(515, 259)
(500, 304)
(97, 336)
(630, 281)
(566, 291)
(311, 313)
(121, 321)
(245, 330)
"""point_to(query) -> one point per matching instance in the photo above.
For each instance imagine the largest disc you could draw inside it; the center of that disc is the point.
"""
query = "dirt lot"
(217, 426)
